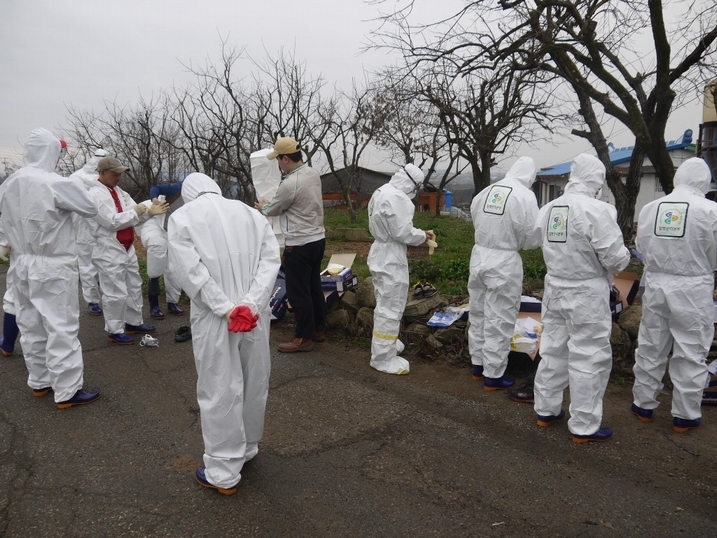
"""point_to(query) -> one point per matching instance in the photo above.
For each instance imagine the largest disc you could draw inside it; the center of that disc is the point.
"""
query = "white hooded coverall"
(504, 217)
(225, 254)
(582, 244)
(8, 299)
(154, 239)
(89, 274)
(390, 213)
(119, 271)
(677, 234)
(36, 208)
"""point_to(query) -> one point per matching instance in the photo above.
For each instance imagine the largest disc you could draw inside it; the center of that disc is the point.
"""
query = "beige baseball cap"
(112, 164)
(284, 146)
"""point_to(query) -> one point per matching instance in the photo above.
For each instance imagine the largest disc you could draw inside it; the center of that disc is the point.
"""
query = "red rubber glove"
(242, 320)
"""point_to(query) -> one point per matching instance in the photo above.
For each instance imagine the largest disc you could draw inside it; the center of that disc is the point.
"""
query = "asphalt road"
(347, 452)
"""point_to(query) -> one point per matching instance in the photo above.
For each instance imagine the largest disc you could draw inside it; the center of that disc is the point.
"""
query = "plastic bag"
(445, 318)
(525, 336)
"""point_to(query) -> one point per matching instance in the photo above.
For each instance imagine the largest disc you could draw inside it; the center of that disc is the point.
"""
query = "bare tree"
(137, 135)
(486, 113)
(289, 102)
(214, 116)
(412, 130)
(598, 48)
(595, 46)
(352, 127)
(487, 107)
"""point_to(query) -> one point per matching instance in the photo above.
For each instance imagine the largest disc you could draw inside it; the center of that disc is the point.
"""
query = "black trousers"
(302, 266)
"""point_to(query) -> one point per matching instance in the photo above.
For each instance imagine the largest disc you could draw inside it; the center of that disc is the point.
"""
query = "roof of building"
(617, 156)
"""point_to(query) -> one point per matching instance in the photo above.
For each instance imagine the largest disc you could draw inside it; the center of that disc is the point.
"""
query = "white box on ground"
(338, 274)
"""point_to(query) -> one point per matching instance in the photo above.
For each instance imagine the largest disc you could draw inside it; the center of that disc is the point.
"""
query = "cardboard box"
(278, 300)
(339, 282)
(344, 279)
(330, 297)
(627, 284)
(530, 304)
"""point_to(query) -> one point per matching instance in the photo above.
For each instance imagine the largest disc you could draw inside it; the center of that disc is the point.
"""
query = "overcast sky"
(79, 53)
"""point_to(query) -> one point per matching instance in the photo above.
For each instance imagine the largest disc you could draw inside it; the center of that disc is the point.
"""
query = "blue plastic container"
(447, 200)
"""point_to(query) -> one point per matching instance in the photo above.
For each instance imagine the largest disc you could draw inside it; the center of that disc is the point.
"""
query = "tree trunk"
(664, 168)
(477, 177)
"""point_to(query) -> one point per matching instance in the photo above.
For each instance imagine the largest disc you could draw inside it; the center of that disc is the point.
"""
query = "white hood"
(88, 173)
(587, 175)
(42, 150)
(694, 173)
(196, 184)
(408, 179)
(523, 171)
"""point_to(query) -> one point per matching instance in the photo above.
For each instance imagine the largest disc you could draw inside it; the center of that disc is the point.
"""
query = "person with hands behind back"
(229, 277)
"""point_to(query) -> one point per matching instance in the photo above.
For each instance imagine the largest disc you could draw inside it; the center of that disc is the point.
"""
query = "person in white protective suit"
(390, 214)
(229, 277)
(10, 330)
(154, 238)
(114, 254)
(504, 217)
(36, 207)
(89, 275)
(582, 246)
(677, 235)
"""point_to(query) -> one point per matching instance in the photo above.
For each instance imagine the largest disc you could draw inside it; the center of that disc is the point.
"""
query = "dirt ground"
(347, 452)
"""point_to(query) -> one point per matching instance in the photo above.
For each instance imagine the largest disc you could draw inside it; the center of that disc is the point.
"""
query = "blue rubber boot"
(10, 331)
(478, 372)
(681, 425)
(544, 421)
(643, 415)
(600, 436)
(497, 383)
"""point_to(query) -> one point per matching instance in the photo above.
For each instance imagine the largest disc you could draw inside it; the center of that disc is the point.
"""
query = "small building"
(550, 182)
(369, 181)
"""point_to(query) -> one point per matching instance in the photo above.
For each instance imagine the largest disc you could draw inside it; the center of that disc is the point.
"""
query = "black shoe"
(174, 309)
(183, 334)
(428, 290)
(523, 394)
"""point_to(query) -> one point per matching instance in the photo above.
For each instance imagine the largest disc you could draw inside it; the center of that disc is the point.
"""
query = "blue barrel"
(447, 200)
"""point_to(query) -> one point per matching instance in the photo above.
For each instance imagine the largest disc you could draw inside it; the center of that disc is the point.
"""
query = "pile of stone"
(354, 314)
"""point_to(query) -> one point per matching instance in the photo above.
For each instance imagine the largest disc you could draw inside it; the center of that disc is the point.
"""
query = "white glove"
(158, 209)
(140, 209)
(4, 251)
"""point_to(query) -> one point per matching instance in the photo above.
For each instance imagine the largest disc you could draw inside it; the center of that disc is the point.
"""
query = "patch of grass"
(340, 218)
(447, 269)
